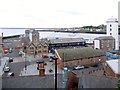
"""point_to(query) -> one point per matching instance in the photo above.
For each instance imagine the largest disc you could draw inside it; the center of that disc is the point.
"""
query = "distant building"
(66, 42)
(112, 68)
(37, 49)
(32, 35)
(79, 56)
(104, 43)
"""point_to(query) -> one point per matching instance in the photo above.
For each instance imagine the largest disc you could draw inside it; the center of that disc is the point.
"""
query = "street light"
(25, 47)
(55, 58)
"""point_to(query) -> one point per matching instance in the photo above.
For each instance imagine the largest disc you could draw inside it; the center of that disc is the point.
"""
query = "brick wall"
(110, 72)
(71, 81)
(107, 45)
(86, 61)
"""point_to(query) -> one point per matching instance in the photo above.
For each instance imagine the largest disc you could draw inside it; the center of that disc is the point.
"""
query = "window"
(39, 51)
(45, 46)
(110, 29)
(39, 46)
(45, 51)
(110, 33)
(110, 25)
(31, 48)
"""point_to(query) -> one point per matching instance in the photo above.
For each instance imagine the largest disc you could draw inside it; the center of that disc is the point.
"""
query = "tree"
(118, 84)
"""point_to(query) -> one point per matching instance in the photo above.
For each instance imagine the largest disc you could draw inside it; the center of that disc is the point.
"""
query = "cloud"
(69, 12)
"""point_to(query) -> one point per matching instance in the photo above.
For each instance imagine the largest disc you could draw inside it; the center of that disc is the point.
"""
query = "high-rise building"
(112, 30)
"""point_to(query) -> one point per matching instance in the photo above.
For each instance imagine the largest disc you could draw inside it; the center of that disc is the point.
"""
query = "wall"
(85, 61)
(109, 71)
(107, 45)
(71, 81)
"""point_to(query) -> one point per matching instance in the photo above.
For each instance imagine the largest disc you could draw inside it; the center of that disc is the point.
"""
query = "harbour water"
(87, 36)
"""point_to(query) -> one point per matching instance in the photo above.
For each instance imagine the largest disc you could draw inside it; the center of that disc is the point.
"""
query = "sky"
(56, 13)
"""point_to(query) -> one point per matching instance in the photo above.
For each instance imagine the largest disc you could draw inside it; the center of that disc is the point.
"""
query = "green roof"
(78, 53)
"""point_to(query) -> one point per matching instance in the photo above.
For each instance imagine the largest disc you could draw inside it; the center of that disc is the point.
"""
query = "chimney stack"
(41, 68)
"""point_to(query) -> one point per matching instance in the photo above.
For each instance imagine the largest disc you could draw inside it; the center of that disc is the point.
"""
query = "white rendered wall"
(96, 44)
(119, 12)
(112, 30)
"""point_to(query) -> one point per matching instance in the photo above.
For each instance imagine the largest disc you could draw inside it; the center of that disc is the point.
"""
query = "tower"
(112, 30)
(35, 36)
(119, 12)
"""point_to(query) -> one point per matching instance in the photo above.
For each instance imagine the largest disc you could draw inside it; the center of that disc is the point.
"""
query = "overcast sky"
(56, 13)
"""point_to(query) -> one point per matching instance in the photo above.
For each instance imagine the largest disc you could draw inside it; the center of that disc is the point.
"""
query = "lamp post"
(55, 58)
(25, 47)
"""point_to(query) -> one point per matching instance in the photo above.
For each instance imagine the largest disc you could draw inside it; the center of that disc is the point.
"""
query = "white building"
(119, 12)
(112, 30)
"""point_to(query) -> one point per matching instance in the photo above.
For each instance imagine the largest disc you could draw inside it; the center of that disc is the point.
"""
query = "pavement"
(32, 69)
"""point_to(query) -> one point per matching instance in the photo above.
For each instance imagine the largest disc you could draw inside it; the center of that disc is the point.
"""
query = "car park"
(78, 67)
(6, 69)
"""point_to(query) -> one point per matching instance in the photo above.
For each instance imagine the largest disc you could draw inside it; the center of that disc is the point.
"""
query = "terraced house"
(37, 49)
(86, 56)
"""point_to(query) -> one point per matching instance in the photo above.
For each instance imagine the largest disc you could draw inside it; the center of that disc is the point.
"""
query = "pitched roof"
(11, 44)
(78, 53)
(96, 82)
(33, 82)
(104, 38)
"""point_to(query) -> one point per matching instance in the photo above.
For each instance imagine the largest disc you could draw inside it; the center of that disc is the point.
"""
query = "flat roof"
(114, 64)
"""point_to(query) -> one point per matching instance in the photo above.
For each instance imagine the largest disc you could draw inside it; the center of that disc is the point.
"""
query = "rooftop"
(67, 40)
(78, 53)
(104, 38)
(32, 82)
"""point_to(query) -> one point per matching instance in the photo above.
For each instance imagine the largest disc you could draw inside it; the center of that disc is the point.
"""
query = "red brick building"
(112, 68)
(79, 56)
(104, 43)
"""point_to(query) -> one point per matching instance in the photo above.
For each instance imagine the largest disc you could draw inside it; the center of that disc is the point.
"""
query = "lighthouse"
(112, 30)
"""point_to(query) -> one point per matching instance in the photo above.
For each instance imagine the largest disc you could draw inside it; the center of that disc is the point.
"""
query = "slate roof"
(11, 44)
(66, 40)
(105, 38)
(33, 82)
(78, 53)
(96, 82)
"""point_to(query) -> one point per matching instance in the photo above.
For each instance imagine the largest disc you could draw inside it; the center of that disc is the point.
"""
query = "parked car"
(50, 60)
(10, 59)
(6, 69)
(78, 67)
(10, 74)
(45, 56)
